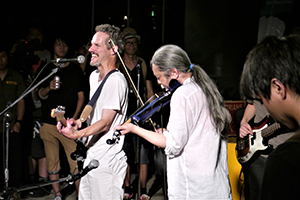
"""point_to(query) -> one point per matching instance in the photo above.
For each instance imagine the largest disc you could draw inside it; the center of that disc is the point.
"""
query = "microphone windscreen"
(81, 59)
(93, 164)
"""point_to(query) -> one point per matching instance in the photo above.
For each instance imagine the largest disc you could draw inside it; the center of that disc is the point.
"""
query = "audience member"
(198, 122)
(29, 54)
(139, 74)
(272, 74)
(70, 95)
(11, 88)
(104, 182)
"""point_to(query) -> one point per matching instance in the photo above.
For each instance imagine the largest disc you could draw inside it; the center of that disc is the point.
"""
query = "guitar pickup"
(240, 145)
(253, 138)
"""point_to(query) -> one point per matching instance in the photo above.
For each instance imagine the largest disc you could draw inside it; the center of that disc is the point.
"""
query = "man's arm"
(156, 138)
(43, 92)
(245, 128)
(20, 112)
(101, 126)
(149, 87)
(80, 102)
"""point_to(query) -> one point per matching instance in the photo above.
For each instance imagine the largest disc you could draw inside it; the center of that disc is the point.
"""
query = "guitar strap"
(98, 91)
(92, 102)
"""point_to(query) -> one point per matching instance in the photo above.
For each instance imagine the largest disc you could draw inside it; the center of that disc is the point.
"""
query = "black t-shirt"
(71, 77)
(11, 88)
(136, 75)
(282, 172)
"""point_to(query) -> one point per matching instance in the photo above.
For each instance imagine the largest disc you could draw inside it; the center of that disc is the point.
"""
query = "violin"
(153, 105)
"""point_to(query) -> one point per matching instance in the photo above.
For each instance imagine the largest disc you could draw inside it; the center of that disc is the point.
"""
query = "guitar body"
(252, 145)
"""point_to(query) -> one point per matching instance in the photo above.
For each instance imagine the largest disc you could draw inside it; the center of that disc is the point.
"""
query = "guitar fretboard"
(270, 130)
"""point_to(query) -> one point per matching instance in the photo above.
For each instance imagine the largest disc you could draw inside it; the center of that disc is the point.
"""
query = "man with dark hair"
(69, 95)
(272, 75)
(11, 88)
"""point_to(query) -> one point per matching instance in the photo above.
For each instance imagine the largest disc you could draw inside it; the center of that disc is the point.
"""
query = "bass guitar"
(251, 145)
(79, 154)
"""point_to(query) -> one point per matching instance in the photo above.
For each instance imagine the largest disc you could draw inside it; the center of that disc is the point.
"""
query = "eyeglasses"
(131, 43)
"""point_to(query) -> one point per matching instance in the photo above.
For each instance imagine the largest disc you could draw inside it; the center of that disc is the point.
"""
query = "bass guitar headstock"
(59, 113)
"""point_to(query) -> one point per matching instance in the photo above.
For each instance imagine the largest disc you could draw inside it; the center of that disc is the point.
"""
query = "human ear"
(114, 50)
(278, 88)
(174, 73)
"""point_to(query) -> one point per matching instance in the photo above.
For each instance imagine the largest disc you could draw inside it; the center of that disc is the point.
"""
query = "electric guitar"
(251, 145)
(80, 153)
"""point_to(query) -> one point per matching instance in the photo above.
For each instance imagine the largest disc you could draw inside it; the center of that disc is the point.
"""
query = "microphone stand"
(8, 116)
(138, 145)
(164, 178)
(30, 90)
(7, 194)
(70, 179)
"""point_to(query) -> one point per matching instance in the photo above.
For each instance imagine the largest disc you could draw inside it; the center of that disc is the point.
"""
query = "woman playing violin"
(195, 137)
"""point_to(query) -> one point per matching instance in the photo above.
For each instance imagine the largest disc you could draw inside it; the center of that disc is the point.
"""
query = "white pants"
(104, 182)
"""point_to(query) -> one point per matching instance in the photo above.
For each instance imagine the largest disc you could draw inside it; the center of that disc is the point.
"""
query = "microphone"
(92, 165)
(79, 59)
(138, 66)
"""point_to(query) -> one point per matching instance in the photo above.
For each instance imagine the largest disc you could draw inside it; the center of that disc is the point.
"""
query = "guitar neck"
(270, 130)
(63, 121)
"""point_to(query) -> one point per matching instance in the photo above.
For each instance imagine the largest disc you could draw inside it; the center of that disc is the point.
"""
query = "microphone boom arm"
(23, 95)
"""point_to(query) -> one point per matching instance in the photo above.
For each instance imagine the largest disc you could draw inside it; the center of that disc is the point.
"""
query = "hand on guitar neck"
(70, 126)
(256, 139)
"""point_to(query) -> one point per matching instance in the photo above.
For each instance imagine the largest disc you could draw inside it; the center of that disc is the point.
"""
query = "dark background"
(216, 34)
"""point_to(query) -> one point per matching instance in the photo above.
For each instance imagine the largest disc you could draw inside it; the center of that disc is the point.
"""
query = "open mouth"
(94, 56)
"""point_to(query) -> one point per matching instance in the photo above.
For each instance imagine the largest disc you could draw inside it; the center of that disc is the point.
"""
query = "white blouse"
(197, 155)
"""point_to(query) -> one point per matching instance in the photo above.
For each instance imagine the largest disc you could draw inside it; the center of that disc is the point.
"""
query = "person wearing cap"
(141, 77)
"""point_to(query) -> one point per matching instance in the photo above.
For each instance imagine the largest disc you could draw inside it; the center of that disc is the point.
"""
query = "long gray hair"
(172, 56)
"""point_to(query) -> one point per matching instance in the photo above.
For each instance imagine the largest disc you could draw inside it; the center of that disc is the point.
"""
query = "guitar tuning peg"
(61, 108)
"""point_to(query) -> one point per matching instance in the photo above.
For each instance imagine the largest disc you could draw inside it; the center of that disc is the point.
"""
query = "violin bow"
(129, 78)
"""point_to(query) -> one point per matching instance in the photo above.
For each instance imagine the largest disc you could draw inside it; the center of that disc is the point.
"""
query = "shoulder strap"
(89, 107)
(98, 91)
(93, 100)
(95, 138)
